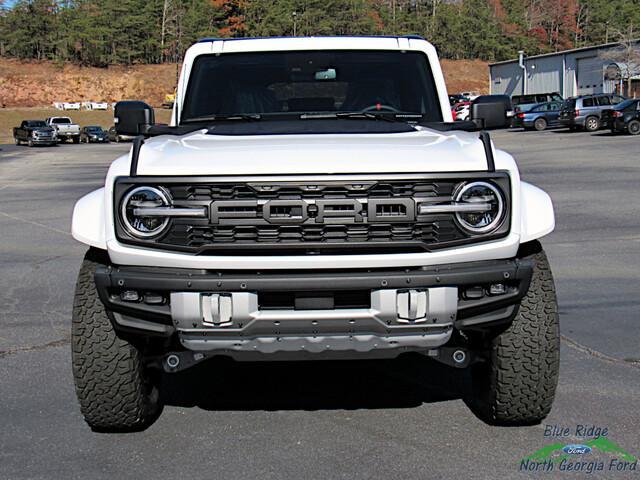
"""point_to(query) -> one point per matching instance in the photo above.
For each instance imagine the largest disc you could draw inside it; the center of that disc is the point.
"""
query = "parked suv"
(312, 199)
(525, 102)
(585, 111)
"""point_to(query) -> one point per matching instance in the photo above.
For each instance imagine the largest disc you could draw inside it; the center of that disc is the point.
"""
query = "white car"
(311, 199)
(96, 105)
(71, 106)
(65, 128)
(463, 112)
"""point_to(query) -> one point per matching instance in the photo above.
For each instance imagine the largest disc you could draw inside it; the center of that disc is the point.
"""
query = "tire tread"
(524, 360)
(109, 375)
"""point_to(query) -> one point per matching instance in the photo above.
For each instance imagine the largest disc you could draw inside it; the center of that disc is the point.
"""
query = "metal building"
(579, 71)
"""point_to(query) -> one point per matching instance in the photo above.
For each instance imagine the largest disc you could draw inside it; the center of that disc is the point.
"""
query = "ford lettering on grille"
(280, 212)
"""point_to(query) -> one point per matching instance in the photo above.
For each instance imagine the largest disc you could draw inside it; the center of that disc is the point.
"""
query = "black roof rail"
(488, 151)
(135, 154)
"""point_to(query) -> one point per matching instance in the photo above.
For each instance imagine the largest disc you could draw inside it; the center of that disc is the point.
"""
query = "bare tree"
(626, 54)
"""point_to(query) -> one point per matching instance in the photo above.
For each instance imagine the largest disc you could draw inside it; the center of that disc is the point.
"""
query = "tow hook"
(178, 361)
(457, 357)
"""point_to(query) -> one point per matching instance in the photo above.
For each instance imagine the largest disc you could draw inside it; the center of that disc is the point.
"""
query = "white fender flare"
(537, 217)
(88, 223)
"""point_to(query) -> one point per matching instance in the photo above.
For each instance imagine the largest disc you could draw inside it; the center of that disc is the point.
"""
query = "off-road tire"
(114, 389)
(540, 124)
(76, 140)
(591, 124)
(634, 127)
(517, 383)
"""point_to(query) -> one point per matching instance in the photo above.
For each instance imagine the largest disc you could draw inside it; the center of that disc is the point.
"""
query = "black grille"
(313, 190)
(310, 216)
(199, 236)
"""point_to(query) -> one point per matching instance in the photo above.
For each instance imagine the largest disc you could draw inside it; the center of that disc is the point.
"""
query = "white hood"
(200, 153)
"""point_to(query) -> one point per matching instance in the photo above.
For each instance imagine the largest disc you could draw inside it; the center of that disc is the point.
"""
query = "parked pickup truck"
(312, 199)
(66, 129)
(35, 132)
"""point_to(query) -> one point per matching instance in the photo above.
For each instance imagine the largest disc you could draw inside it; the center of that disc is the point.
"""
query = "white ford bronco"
(312, 199)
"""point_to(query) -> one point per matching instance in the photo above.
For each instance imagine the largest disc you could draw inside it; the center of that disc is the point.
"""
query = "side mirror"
(477, 114)
(133, 118)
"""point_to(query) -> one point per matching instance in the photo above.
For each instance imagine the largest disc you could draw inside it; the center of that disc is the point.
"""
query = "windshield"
(283, 84)
(94, 129)
(624, 105)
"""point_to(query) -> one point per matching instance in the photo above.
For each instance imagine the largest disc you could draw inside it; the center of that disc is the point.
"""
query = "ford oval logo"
(576, 449)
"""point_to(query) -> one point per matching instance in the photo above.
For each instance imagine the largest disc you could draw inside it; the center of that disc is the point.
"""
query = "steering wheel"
(381, 107)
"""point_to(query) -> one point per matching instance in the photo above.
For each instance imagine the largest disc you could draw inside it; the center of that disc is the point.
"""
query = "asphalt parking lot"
(329, 420)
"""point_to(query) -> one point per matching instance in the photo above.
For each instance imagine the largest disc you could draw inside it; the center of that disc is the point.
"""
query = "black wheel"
(633, 127)
(30, 143)
(115, 391)
(76, 140)
(17, 140)
(517, 383)
(591, 124)
(540, 124)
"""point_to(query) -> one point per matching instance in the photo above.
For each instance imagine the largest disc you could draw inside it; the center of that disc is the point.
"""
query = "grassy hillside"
(37, 84)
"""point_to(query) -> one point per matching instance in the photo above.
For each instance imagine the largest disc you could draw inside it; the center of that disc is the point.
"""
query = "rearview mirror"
(328, 74)
(133, 118)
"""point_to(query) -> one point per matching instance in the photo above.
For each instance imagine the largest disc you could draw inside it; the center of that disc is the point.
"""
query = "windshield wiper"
(213, 118)
(400, 117)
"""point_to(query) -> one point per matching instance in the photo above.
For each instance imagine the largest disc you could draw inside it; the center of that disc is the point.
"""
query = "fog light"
(130, 296)
(474, 293)
(497, 289)
(153, 298)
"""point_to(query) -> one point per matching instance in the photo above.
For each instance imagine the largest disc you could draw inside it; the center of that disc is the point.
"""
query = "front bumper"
(239, 313)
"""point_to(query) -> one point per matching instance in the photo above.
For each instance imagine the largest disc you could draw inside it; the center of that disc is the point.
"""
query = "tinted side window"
(616, 99)
(587, 102)
(604, 101)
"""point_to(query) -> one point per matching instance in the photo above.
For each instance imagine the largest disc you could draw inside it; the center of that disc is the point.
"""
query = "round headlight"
(490, 207)
(144, 226)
